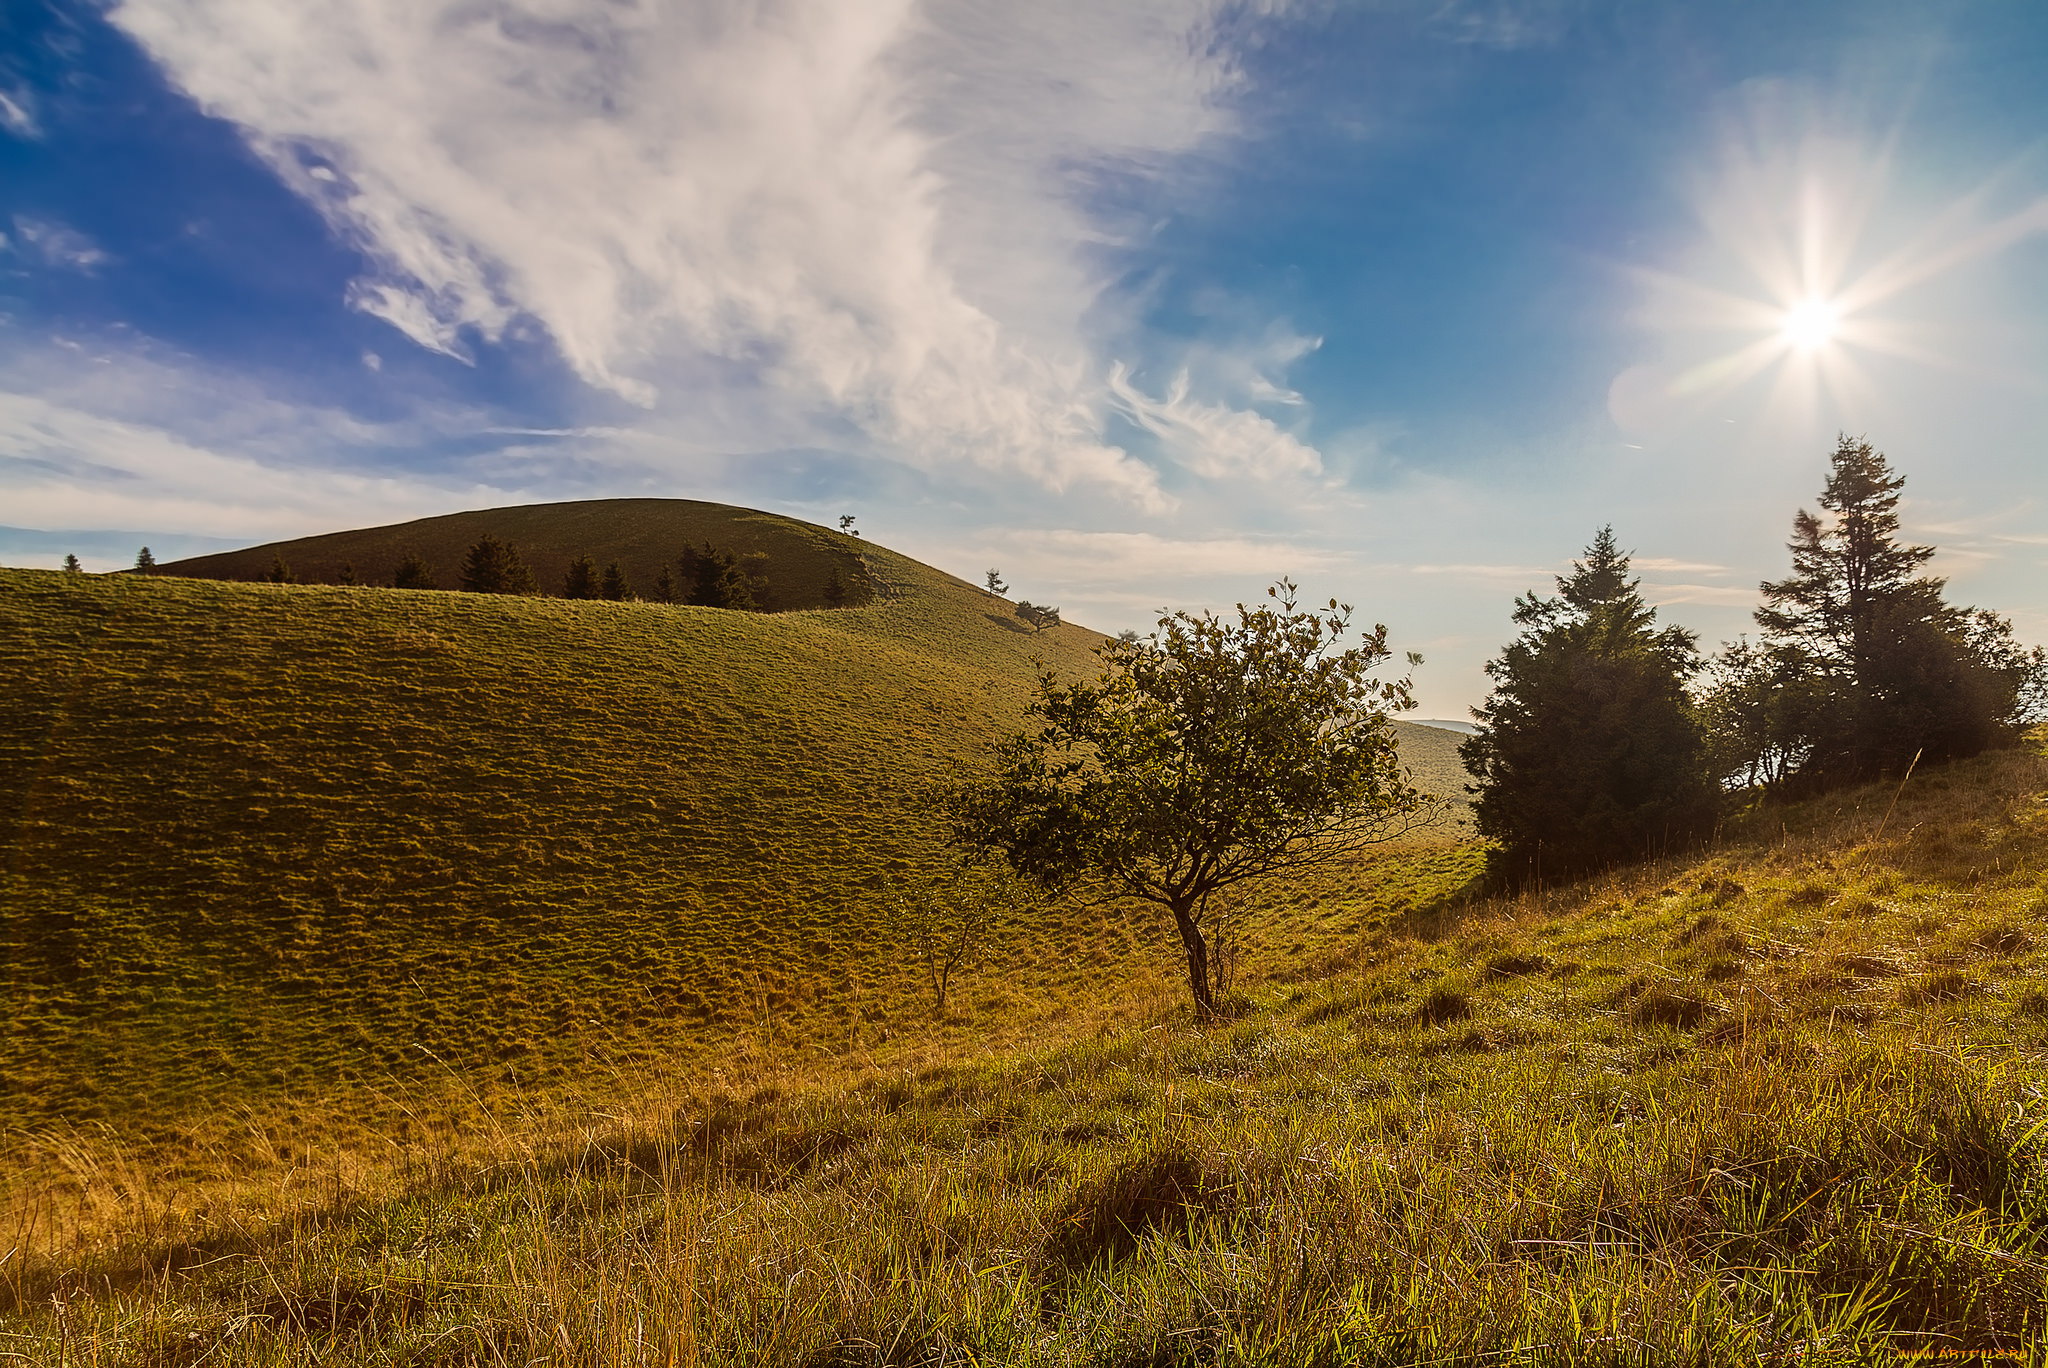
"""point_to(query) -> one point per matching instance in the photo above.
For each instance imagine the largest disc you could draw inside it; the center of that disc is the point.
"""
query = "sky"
(1145, 303)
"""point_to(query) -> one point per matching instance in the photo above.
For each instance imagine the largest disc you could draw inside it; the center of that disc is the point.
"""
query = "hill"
(276, 844)
(791, 560)
(1780, 1101)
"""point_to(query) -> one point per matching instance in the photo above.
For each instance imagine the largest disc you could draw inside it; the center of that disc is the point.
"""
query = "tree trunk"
(1198, 959)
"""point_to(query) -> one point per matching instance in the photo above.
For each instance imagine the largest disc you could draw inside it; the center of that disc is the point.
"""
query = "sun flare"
(1811, 324)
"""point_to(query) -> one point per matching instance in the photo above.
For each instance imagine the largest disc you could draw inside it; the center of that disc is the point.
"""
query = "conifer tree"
(413, 573)
(835, 590)
(279, 572)
(713, 579)
(144, 562)
(1588, 752)
(348, 575)
(1865, 662)
(494, 567)
(580, 580)
(71, 565)
(665, 587)
(613, 587)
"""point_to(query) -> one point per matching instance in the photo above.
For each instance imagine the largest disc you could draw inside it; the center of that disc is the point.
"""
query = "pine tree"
(665, 587)
(71, 565)
(579, 581)
(144, 562)
(494, 567)
(835, 590)
(713, 579)
(279, 572)
(413, 573)
(613, 587)
(1870, 663)
(1588, 752)
(992, 582)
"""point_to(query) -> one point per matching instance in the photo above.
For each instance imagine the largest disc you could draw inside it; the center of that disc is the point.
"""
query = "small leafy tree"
(846, 524)
(494, 567)
(613, 586)
(947, 922)
(1213, 753)
(413, 573)
(144, 562)
(579, 581)
(1588, 752)
(71, 565)
(1039, 615)
(993, 582)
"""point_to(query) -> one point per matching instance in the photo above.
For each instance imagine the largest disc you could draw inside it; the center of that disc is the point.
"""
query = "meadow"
(1780, 1101)
(423, 978)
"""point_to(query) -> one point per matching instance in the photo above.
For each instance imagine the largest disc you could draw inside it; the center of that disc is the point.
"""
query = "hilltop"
(792, 560)
(281, 843)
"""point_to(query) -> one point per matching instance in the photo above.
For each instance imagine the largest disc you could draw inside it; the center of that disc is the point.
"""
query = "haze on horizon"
(1144, 303)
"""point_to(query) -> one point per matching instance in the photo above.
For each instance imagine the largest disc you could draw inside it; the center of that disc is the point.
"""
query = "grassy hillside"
(1780, 1102)
(269, 844)
(791, 559)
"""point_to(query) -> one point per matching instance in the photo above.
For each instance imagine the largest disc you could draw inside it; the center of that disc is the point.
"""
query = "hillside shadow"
(1008, 624)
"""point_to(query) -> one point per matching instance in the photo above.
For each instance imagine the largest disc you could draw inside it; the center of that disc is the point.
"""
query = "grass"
(293, 877)
(1706, 1111)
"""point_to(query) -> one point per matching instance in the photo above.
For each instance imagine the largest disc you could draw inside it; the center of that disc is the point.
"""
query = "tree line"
(705, 576)
(1219, 751)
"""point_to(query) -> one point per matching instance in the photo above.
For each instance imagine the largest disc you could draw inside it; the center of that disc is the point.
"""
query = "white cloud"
(67, 468)
(18, 114)
(1213, 440)
(56, 244)
(870, 204)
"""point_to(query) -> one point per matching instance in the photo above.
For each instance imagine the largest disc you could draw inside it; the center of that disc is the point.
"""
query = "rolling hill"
(793, 559)
(279, 841)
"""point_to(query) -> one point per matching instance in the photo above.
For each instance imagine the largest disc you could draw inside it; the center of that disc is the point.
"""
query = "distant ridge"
(1445, 723)
(795, 559)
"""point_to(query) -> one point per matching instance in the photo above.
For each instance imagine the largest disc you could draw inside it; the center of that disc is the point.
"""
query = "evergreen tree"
(580, 580)
(1039, 615)
(713, 579)
(992, 582)
(665, 587)
(279, 572)
(348, 574)
(413, 573)
(494, 567)
(1588, 752)
(144, 562)
(835, 590)
(1868, 664)
(613, 586)
(71, 565)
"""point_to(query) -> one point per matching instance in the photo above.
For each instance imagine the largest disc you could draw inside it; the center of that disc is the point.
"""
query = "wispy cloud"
(56, 244)
(870, 204)
(1213, 440)
(18, 113)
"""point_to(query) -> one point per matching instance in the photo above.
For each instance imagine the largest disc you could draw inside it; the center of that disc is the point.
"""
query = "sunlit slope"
(642, 535)
(274, 834)
(276, 837)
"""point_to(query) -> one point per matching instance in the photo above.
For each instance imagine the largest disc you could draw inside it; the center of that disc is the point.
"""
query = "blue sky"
(1145, 303)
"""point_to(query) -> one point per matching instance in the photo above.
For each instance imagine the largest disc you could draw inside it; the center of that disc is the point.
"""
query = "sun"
(1811, 324)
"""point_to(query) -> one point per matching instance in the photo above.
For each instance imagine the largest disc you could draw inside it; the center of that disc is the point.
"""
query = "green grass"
(279, 862)
(1780, 1102)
